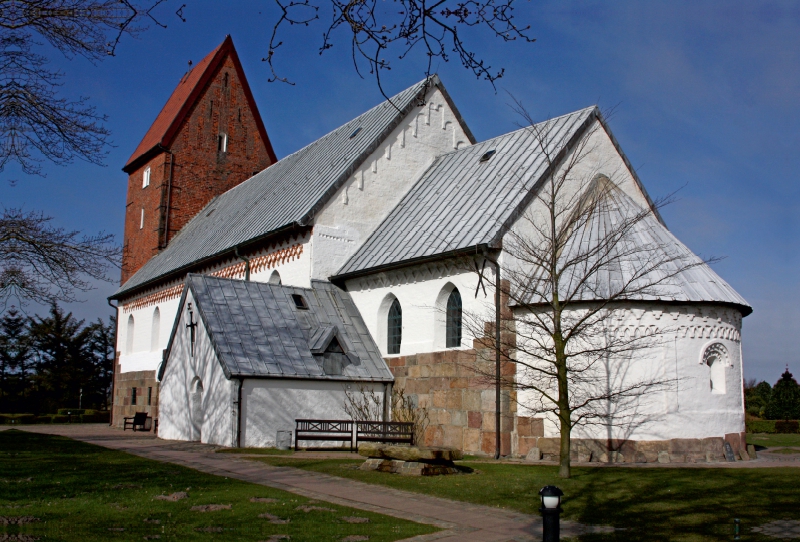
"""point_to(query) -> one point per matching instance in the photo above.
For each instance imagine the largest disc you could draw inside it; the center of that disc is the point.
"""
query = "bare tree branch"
(46, 265)
(377, 30)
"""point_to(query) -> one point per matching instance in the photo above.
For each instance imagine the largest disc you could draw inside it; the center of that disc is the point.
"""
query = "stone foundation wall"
(146, 388)
(460, 399)
(642, 451)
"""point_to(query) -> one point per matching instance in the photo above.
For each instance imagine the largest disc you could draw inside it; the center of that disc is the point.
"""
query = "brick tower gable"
(208, 138)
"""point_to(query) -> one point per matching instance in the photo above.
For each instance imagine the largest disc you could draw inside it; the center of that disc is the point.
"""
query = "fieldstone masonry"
(146, 387)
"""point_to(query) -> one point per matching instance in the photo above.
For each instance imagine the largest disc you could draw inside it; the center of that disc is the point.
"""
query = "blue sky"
(705, 97)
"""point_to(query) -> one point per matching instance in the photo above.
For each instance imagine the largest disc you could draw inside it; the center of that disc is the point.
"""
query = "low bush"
(96, 417)
(43, 419)
(60, 419)
(785, 427)
(772, 426)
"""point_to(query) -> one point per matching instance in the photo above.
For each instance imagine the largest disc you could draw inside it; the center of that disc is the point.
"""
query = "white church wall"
(188, 411)
(291, 260)
(143, 354)
(382, 180)
(688, 408)
(420, 290)
(270, 405)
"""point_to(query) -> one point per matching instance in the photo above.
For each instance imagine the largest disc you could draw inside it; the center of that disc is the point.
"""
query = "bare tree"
(581, 256)
(365, 404)
(36, 123)
(377, 30)
(44, 264)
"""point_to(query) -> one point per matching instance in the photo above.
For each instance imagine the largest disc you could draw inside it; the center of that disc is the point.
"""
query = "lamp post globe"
(551, 510)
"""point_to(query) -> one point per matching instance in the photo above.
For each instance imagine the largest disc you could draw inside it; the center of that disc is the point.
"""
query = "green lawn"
(650, 503)
(772, 440)
(79, 492)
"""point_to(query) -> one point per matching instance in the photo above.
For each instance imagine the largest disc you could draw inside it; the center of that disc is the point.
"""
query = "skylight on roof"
(355, 133)
(487, 155)
(299, 301)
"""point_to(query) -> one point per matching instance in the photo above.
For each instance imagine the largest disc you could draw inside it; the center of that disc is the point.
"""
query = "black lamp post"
(551, 510)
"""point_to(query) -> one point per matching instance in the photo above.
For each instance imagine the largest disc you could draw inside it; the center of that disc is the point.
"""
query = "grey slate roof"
(287, 193)
(647, 258)
(258, 331)
(461, 202)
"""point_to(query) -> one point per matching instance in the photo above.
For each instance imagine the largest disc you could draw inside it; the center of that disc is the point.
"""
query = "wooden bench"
(329, 430)
(139, 421)
(389, 432)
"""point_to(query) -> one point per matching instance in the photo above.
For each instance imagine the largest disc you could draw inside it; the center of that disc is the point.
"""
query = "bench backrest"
(394, 431)
(140, 418)
(324, 426)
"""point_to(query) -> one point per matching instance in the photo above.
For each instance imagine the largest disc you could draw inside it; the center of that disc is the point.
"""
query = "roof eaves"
(465, 251)
(201, 262)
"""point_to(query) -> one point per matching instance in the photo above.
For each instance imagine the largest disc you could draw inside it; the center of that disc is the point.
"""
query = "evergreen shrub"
(60, 419)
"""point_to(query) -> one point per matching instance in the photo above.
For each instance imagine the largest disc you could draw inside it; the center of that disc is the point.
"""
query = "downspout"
(169, 195)
(496, 352)
(239, 414)
(246, 263)
(114, 366)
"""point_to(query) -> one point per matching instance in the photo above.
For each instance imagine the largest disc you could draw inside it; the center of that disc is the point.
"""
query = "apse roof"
(184, 97)
(258, 331)
(646, 262)
(286, 194)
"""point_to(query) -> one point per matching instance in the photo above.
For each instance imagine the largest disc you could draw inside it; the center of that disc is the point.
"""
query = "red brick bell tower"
(208, 138)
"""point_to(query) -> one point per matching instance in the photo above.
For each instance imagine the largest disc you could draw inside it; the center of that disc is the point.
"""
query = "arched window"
(715, 357)
(275, 278)
(453, 329)
(154, 330)
(129, 336)
(394, 328)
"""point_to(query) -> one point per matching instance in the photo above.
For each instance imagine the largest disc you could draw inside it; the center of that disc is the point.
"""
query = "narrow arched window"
(453, 319)
(394, 329)
(129, 336)
(154, 330)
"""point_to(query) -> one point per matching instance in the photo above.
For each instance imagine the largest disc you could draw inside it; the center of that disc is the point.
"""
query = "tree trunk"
(564, 467)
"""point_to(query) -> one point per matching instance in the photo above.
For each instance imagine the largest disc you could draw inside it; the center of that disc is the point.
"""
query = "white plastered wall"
(382, 180)
(140, 356)
(272, 405)
(422, 292)
(686, 406)
(177, 418)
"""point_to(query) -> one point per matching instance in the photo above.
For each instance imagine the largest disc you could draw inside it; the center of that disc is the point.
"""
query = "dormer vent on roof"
(487, 155)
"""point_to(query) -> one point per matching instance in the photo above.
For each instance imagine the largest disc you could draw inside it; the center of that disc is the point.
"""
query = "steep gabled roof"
(461, 202)
(287, 194)
(184, 97)
(257, 330)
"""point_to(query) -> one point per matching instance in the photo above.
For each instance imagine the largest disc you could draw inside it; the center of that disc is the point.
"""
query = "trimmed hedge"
(772, 426)
(91, 416)
(73, 411)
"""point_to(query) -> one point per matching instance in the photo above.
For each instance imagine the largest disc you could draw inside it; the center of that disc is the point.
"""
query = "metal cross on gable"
(480, 277)
(191, 325)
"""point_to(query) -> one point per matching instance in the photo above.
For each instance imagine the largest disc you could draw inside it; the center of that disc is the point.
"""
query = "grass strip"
(54, 488)
(675, 504)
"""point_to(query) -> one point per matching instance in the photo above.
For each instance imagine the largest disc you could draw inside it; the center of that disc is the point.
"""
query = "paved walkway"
(460, 521)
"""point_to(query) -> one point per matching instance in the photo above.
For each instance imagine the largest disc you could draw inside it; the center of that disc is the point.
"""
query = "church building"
(258, 291)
